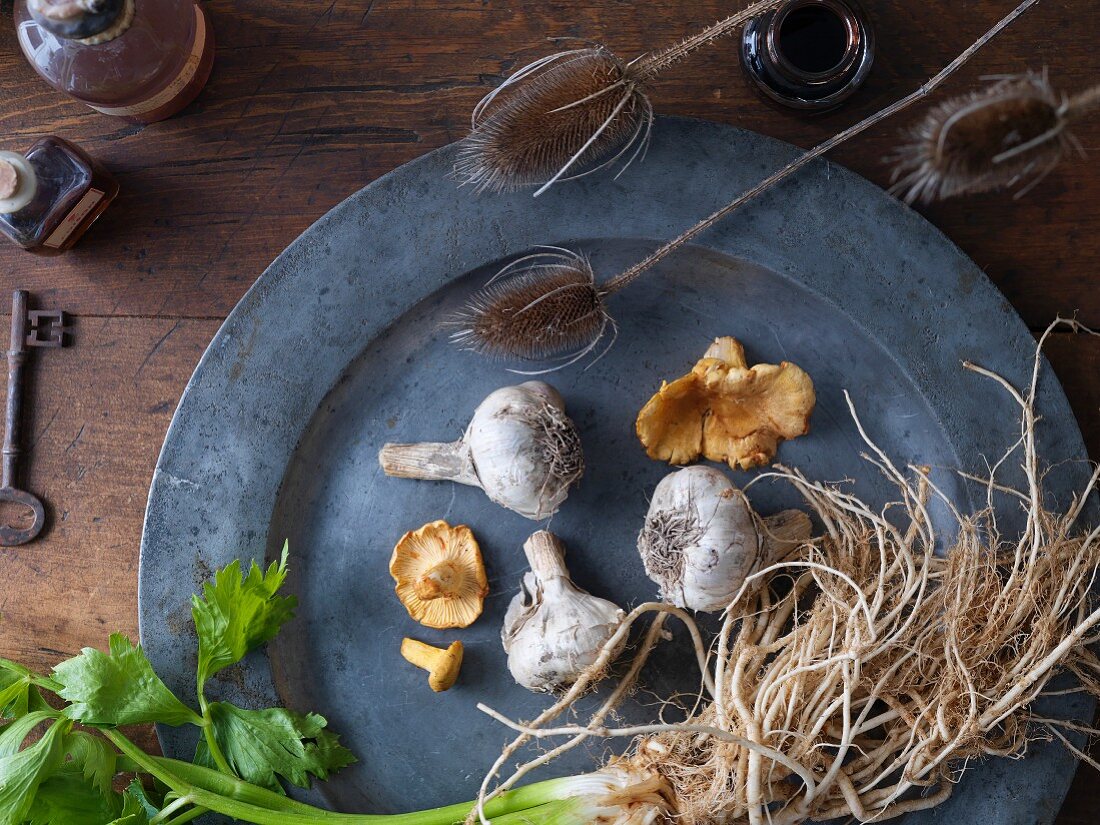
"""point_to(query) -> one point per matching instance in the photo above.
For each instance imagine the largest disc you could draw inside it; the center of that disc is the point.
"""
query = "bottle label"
(81, 211)
(176, 86)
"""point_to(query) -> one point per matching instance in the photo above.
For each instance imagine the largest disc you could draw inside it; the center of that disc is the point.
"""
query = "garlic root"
(520, 448)
(553, 630)
(787, 530)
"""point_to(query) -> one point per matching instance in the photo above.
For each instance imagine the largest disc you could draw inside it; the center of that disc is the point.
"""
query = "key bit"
(37, 328)
(47, 328)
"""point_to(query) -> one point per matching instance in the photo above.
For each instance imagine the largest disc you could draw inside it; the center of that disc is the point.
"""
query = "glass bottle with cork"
(143, 60)
(52, 195)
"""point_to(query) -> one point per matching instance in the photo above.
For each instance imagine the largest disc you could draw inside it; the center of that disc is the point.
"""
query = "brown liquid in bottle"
(71, 190)
(151, 61)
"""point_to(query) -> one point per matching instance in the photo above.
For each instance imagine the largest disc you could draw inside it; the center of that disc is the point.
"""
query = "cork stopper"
(9, 180)
(18, 182)
(89, 21)
(65, 9)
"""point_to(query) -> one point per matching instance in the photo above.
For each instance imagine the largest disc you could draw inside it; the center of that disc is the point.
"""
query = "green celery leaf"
(19, 689)
(235, 615)
(136, 798)
(118, 688)
(14, 667)
(23, 772)
(262, 745)
(15, 691)
(13, 734)
(68, 798)
(94, 757)
(133, 817)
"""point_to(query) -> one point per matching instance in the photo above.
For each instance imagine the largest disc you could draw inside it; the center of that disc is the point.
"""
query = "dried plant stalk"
(861, 678)
(571, 113)
(1015, 131)
(523, 314)
(553, 305)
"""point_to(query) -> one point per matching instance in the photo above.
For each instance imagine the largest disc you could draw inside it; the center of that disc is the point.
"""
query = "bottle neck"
(89, 22)
(18, 182)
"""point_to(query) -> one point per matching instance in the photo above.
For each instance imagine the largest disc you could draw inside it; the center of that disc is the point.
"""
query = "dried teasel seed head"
(537, 307)
(561, 116)
(1012, 132)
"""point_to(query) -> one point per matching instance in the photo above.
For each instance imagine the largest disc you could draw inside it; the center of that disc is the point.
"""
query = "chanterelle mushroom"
(440, 576)
(442, 664)
(727, 411)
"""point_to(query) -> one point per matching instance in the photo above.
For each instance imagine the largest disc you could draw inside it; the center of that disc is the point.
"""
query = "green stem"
(187, 817)
(46, 683)
(234, 798)
(229, 786)
(208, 734)
(169, 810)
(560, 812)
(15, 667)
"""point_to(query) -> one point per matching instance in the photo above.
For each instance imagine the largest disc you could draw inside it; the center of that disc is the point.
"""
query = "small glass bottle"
(143, 60)
(809, 54)
(50, 196)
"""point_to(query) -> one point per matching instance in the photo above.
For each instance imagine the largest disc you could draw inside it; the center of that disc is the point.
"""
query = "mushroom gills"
(439, 575)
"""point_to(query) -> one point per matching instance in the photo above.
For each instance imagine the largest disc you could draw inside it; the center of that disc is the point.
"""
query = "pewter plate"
(337, 349)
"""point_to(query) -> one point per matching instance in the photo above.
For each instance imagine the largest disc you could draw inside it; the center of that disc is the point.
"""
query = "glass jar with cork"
(52, 195)
(143, 60)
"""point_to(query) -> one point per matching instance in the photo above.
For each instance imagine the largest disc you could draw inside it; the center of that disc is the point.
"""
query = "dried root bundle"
(1014, 132)
(862, 677)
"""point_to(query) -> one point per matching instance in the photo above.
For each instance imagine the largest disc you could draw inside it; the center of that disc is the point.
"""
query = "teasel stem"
(625, 278)
(1083, 102)
(646, 66)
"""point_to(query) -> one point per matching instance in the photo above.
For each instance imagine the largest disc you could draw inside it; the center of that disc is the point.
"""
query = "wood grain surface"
(312, 99)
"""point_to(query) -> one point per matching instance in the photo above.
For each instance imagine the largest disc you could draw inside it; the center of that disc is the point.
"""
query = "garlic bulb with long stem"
(520, 448)
(553, 630)
(701, 538)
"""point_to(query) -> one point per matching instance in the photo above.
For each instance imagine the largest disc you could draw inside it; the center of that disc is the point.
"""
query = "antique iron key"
(36, 328)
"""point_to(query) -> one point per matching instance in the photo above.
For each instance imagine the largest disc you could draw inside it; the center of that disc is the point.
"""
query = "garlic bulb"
(701, 539)
(520, 448)
(553, 631)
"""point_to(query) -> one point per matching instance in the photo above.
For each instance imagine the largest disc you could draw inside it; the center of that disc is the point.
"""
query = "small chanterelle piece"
(442, 665)
(440, 575)
(725, 410)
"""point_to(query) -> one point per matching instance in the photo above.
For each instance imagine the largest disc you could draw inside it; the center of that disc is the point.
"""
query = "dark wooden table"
(312, 99)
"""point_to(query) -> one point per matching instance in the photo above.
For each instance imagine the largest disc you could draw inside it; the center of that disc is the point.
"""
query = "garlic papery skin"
(701, 538)
(520, 448)
(553, 630)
